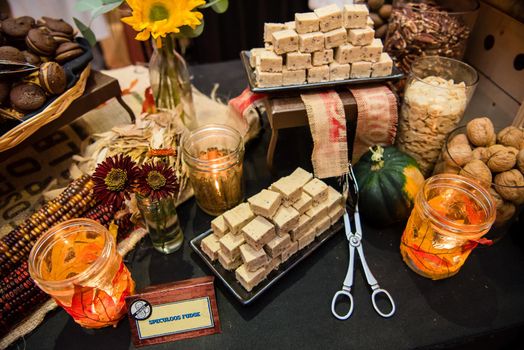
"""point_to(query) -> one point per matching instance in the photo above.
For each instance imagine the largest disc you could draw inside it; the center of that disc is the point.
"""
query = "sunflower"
(114, 180)
(157, 181)
(161, 17)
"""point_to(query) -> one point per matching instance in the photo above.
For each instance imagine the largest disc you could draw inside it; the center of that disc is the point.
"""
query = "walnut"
(481, 153)
(445, 168)
(458, 139)
(480, 131)
(510, 136)
(477, 170)
(501, 158)
(505, 212)
(520, 161)
(458, 155)
(510, 185)
(497, 198)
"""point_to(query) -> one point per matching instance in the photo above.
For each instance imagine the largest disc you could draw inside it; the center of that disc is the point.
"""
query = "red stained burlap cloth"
(377, 118)
(327, 122)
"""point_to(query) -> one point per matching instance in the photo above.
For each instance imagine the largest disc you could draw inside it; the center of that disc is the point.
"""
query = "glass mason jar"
(77, 264)
(450, 216)
(213, 155)
(429, 28)
(170, 81)
(162, 223)
(437, 93)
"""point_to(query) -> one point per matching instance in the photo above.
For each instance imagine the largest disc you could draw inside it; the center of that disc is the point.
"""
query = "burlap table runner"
(327, 123)
(377, 118)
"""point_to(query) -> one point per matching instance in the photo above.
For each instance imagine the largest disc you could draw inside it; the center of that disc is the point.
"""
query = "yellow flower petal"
(143, 35)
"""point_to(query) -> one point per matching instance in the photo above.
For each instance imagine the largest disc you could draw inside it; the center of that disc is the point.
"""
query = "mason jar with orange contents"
(77, 264)
(450, 216)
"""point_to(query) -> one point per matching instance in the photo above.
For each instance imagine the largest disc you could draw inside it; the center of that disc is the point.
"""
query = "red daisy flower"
(114, 180)
(157, 181)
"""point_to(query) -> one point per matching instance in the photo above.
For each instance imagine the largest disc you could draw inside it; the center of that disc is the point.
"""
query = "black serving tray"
(244, 56)
(229, 279)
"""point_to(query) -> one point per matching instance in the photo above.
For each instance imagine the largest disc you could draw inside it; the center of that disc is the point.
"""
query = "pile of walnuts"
(494, 159)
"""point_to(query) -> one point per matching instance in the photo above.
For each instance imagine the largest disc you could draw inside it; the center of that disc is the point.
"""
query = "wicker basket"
(53, 111)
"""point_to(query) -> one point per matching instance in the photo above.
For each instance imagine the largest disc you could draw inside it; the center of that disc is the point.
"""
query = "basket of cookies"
(43, 69)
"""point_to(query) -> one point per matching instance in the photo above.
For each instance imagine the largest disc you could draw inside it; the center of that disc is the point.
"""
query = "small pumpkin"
(388, 182)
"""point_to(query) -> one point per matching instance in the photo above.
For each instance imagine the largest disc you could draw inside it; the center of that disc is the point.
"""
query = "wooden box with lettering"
(173, 311)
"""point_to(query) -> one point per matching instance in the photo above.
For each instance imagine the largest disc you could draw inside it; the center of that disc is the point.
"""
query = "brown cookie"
(57, 25)
(60, 37)
(11, 54)
(17, 27)
(31, 58)
(27, 97)
(52, 78)
(41, 42)
(5, 87)
(68, 51)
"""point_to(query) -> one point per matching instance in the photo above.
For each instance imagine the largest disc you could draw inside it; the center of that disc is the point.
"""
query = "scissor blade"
(347, 225)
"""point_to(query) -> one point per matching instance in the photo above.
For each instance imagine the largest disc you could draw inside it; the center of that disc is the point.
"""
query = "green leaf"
(88, 5)
(87, 33)
(220, 6)
(188, 32)
(104, 9)
(105, 2)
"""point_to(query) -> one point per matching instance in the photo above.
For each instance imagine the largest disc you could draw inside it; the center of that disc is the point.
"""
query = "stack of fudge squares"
(328, 44)
(254, 238)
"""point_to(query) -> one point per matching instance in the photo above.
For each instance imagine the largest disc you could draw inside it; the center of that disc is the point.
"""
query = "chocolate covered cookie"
(27, 97)
(57, 25)
(52, 78)
(41, 42)
(17, 27)
(11, 54)
(60, 37)
(68, 51)
(31, 58)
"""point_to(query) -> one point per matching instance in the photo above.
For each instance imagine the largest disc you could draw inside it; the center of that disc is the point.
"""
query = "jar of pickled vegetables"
(450, 216)
(77, 264)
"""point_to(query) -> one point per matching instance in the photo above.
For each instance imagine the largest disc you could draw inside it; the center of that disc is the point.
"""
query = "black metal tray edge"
(273, 277)
(244, 56)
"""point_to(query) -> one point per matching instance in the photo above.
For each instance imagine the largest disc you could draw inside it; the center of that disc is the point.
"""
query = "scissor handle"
(379, 291)
(334, 301)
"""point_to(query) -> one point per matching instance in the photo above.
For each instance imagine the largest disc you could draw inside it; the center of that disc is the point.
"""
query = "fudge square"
(253, 258)
(227, 262)
(219, 226)
(253, 55)
(265, 203)
(285, 41)
(348, 53)
(288, 188)
(258, 232)
(360, 70)
(318, 74)
(335, 38)
(322, 226)
(334, 198)
(286, 219)
(330, 17)
(339, 71)
(304, 203)
(210, 246)
(304, 224)
(268, 61)
(316, 189)
(249, 279)
(292, 249)
(317, 212)
(322, 57)
(306, 22)
(266, 79)
(298, 60)
(307, 238)
(273, 264)
(300, 176)
(277, 245)
(238, 216)
(230, 245)
(372, 51)
(293, 77)
(269, 28)
(383, 67)
(310, 42)
(335, 214)
(355, 16)
(361, 36)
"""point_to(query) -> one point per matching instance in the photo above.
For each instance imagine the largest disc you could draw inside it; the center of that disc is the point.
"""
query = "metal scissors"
(355, 242)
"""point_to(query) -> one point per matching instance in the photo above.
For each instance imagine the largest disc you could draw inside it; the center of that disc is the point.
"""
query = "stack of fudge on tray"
(326, 45)
(254, 238)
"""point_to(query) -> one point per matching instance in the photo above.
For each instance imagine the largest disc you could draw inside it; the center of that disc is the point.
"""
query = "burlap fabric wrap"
(377, 118)
(327, 122)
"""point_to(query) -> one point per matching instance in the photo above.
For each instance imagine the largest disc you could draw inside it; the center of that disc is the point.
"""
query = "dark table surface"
(481, 307)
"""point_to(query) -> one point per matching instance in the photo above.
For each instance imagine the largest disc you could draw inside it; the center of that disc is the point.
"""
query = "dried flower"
(157, 181)
(114, 180)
